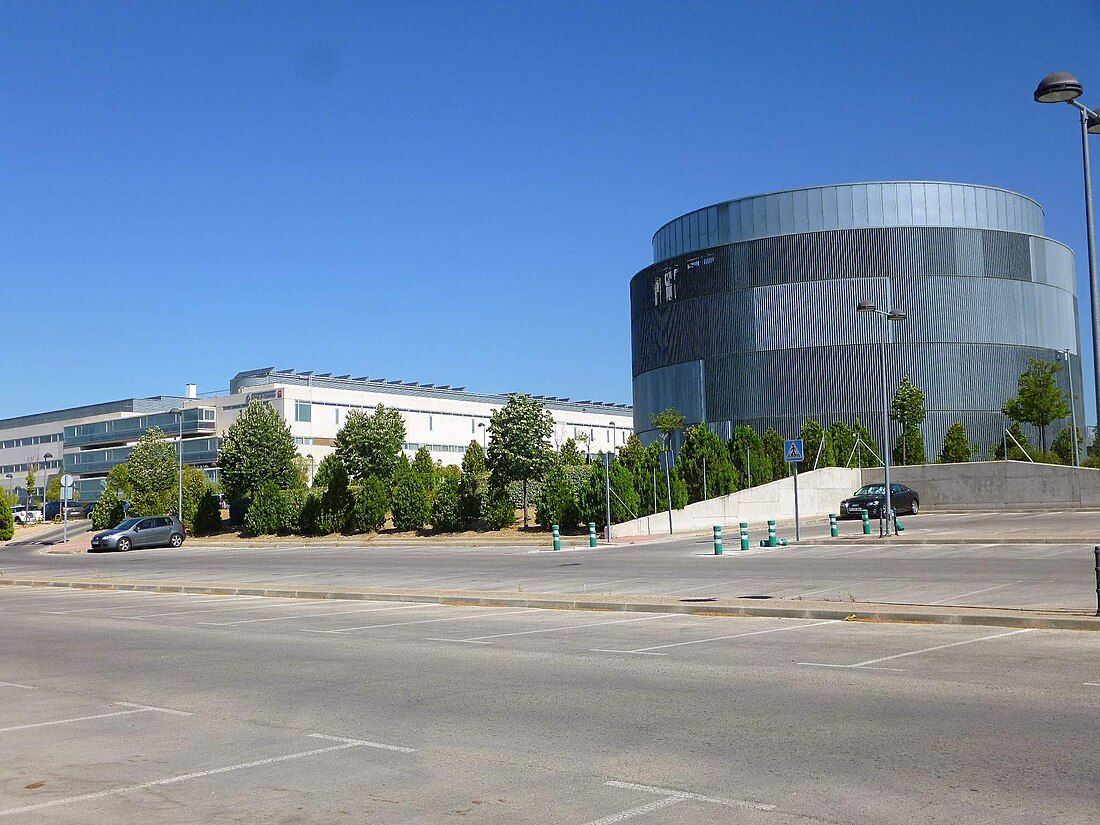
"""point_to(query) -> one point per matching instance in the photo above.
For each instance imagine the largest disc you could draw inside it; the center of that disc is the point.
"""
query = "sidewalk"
(731, 608)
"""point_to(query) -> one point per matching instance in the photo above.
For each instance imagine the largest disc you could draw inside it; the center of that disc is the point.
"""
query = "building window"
(303, 411)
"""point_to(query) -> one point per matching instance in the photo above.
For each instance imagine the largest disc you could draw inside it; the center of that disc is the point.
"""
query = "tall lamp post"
(1062, 87)
(178, 413)
(1072, 408)
(890, 315)
(45, 479)
(481, 426)
(310, 457)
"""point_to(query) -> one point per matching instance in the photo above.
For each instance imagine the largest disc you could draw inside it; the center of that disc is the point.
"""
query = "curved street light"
(1062, 87)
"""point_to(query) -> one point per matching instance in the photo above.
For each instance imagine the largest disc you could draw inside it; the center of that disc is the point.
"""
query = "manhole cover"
(754, 597)
(702, 599)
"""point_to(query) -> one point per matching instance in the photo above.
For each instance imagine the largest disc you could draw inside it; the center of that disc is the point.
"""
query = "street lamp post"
(178, 412)
(310, 457)
(890, 316)
(1062, 87)
(481, 426)
(1072, 408)
(45, 479)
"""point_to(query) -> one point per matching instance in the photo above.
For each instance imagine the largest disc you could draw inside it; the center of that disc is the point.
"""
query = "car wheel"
(124, 544)
(914, 508)
(176, 540)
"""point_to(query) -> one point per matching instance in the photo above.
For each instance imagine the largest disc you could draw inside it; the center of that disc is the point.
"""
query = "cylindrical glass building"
(749, 315)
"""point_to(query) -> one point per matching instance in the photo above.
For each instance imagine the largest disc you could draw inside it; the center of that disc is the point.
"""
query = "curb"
(731, 608)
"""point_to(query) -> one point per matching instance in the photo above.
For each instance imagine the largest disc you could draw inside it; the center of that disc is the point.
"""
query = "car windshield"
(126, 525)
(871, 490)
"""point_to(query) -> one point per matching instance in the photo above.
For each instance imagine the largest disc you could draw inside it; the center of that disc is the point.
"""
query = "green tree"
(1062, 446)
(369, 444)
(866, 454)
(956, 446)
(32, 471)
(7, 524)
(1039, 400)
(474, 460)
(1015, 453)
(773, 447)
(258, 448)
(196, 487)
(907, 409)
(108, 511)
(410, 506)
(208, 514)
(500, 512)
(372, 502)
(668, 422)
(267, 513)
(644, 466)
(325, 469)
(447, 515)
(519, 442)
(152, 475)
(703, 457)
(750, 456)
(336, 502)
(843, 441)
(817, 446)
(624, 498)
(910, 447)
(474, 484)
(557, 501)
(570, 455)
(423, 466)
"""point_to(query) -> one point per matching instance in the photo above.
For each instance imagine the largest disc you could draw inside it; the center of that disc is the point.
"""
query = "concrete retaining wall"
(997, 485)
(819, 493)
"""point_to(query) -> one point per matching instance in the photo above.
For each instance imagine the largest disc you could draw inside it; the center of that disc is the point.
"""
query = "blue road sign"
(793, 452)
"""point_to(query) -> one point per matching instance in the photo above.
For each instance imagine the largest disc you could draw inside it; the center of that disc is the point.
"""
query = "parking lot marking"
(867, 664)
(716, 800)
(317, 615)
(639, 811)
(1092, 684)
(138, 605)
(556, 629)
(424, 621)
(17, 685)
(976, 592)
(364, 743)
(341, 744)
(213, 609)
(718, 638)
(132, 709)
(843, 667)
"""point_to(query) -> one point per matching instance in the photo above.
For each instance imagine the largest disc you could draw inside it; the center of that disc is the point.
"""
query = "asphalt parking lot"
(126, 706)
(998, 572)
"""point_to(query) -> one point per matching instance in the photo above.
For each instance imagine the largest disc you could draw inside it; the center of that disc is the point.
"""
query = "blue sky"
(459, 192)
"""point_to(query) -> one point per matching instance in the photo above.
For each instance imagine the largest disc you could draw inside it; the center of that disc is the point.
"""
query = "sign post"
(793, 453)
(66, 494)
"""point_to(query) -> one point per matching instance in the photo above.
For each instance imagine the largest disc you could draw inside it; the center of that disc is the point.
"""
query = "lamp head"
(1094, 123)
(1058, 87)
(176, 411)
(865, 307)
(896, 315)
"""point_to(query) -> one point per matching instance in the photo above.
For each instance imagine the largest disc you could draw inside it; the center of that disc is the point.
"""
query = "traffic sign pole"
(794, 452)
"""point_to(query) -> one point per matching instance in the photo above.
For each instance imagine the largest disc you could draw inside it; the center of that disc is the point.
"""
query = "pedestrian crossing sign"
(793, 452)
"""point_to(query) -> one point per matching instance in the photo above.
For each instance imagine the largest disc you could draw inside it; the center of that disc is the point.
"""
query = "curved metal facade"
(751, 318)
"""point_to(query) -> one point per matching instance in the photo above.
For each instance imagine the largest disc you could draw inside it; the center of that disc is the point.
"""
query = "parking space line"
(976, 592)
(316, 615)
(132, 709)
(1092, 684)
(866, 665)
(639, 811)
(481, 639)
(17, 685)
(340, 744)
(718, 638)
(267, 604)
(425, 621)
(715, 800)
(143, 603)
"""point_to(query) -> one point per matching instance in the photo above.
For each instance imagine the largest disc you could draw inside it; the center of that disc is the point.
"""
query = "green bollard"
(744, 536)
(592, 534)
(834, 532)
(898, 526)
(718, 539)
(771, 534)
(557, 538)
(866, 523)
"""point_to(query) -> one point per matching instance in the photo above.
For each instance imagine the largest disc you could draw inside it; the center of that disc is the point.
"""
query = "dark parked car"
(88, 508)
(148, 531)
(872, 498)
(53, 510)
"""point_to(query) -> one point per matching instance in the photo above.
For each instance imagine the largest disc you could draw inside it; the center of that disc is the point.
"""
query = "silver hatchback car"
(148, 531)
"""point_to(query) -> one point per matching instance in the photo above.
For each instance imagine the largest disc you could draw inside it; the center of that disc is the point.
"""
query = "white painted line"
(458, 641)
(976, 592)
(426, 621)
(635, 652)
(559, 629)
(269, 604)
(700, 587)
(17, 685)
(734, 636)
(822, 590)
(941, 647)
(316, 615)
(133, 709)
(344, 744)
(849, 667)
(639, 811)
(1092, 684)
(364, 743)
(716, 800)
(143, 603)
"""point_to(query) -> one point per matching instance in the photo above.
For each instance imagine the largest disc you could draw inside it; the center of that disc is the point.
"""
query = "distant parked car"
(872, 498)
(24, 515)
(147, 531)
(88, 508)
(53, 510)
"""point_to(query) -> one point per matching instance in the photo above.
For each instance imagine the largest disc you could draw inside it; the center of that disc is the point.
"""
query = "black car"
(872, 498)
